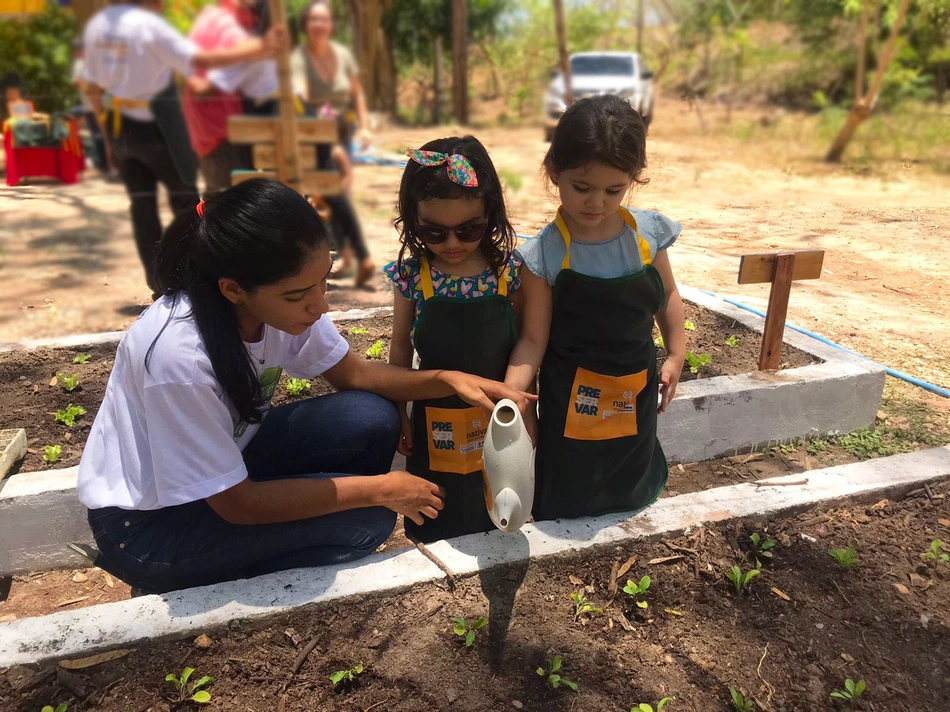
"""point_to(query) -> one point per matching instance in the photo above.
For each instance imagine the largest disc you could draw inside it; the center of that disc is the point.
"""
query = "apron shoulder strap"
(425, 278)
(504, 274)
(642, 244)
(566, 234)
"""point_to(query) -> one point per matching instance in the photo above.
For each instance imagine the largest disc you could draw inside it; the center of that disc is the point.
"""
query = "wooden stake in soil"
(437, 561)
(288, 155)
(781, 269)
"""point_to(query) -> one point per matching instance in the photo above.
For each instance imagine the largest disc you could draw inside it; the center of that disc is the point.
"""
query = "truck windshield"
(602, 65)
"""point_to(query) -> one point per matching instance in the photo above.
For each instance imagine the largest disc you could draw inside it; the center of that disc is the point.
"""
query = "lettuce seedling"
(194, 692)
(466, 631)
(49, 708)
(935, 554)
(739, 702)
(68, 417)
(659, 342)
(52, 453)
(357, 330)
(376, 350)
(852, 690)
(845, 557)
(69, 383)
(761, 548)
(82, 358)
(345, 678)
(741, 580)
(732, 341)
(296, 386)
(582, 606)
(638, 590)
(689, 326)
(697, 361)
(552, 677)
(644, 707)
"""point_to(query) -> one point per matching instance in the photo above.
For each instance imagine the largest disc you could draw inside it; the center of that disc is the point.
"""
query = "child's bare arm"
(536, 326)
(670, 319)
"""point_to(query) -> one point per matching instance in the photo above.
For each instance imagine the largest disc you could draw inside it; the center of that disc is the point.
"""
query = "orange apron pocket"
(603, 407)
(456, 437)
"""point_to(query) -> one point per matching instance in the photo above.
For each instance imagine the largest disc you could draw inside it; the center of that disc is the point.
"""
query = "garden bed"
(31, 398)
(800, 629)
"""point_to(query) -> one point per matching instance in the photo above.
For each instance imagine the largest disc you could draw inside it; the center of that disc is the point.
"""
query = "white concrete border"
(151, 618)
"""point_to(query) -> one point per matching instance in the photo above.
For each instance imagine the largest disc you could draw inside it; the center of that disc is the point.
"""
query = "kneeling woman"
(188, 478)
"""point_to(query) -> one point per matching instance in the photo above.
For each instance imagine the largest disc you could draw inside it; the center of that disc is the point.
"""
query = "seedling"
(552, 677)
(68, 417)
(376, 350)
(644, 707)
(697, 361)
(818, 445)
(638, 591)
(296, 386)
(49, 708)
(845, 557)
(761, 548)
(52, 453)
(852, 690)
(935, 554)
(732, 341)
(345, 678)
(689, 326)
(82, 358)
(739, 702)
(582, 606)
(357, 330)
(69, 383)
(466, 631)
(659, 342)
(192, 692)
(741, 580)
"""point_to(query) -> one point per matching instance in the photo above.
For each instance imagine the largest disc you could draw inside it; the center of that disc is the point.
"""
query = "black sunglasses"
(436, 234)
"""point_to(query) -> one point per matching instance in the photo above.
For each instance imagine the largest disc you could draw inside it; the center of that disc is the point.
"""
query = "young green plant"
(357, 330)
(644, 707)
(552, 675)
(82, 358)
(935, 554)
(689, 326)
(346, 678)
(193, 692)
(582, 606)
(739, 702)
(376, 350)
(69, 383)
(732, 341)
(845, 557)
(638, 591)
(761, 548)
(467, 632)
(697, 361)
(742, 580)
(51, 453)
(659, 342)
(49, 708)
(296, 386)
(68, 417)
(852, 690)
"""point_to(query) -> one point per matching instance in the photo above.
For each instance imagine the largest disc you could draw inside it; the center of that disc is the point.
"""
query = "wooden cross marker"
(781, 269)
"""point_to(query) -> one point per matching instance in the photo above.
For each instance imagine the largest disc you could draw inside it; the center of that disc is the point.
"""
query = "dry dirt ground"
(68, 263)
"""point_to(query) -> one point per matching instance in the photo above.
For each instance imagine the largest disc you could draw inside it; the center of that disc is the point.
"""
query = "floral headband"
(459, 167)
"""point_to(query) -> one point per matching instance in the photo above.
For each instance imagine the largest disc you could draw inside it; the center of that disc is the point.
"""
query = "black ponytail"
(256, 233)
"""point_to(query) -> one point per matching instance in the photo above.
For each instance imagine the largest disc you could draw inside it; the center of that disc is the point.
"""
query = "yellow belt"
(118, 104)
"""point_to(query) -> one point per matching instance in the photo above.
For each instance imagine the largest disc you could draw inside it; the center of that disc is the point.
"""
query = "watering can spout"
(508, 514)
(508, 456)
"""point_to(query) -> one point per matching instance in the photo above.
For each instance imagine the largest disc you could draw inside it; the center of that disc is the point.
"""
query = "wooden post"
(561, 27)
(460, 59)
(288, 156)
(640, 30)
(781, 269)
(437, 80)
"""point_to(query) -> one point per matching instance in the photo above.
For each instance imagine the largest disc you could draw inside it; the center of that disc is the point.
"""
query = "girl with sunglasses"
(455, 296)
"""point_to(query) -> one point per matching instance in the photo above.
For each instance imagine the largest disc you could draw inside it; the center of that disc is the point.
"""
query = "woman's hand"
(405, 438)
(484, 393)
(669, 378)
(364, 137)
(411, 496)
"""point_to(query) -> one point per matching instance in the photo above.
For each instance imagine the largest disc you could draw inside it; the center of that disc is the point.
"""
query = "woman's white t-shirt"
(167, 434)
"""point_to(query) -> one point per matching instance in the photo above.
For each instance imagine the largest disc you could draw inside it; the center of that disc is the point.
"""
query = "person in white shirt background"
(188, 476)
(132, 53)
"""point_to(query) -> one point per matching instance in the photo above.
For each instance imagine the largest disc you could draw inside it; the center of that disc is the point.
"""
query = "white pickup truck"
(593, 73)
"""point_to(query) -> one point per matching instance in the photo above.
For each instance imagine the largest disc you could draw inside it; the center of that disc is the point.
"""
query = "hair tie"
(200, 208)
(459, 167)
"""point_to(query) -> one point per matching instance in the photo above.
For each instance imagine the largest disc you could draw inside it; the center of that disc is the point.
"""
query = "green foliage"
(376, 350)
(466, 631)
(877, 442)
(739, 702)
(644, 707)
(845, 557)
(742, 580)
(357, 330)
(582, 606)
(413, 25)
(852, 690)
(82, 358)
(817, 445)
(69, 383)
(345, 678)
(552, 675)
(638, 590)
(181, 15)
(689, 326)
(49, 708)
(40, 51)
(193, 692)
(936, 554)
(296, 386)
(761, 548)
(697, 361)
(659, 342)
(68, 417)
(732, 341)
(510, 179)
(52, 453)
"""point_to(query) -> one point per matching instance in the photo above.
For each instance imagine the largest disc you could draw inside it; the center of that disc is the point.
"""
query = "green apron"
(474, 336)
(597, 448)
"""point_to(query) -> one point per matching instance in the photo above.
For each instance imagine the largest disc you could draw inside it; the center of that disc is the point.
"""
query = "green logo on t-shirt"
(268, 380)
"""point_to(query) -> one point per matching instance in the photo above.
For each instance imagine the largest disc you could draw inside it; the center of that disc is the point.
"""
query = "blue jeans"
(350, 433)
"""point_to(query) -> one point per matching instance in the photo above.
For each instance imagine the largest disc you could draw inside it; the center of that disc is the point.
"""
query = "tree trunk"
(437, 80)
(640, 29)
(366, 17)
(561, 28)
(863, 106)
(460, 60)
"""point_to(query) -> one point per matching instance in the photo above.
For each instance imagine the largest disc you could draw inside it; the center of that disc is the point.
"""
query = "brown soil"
(802, 627)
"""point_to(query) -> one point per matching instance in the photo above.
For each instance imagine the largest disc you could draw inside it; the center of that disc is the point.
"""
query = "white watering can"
(508, 458)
